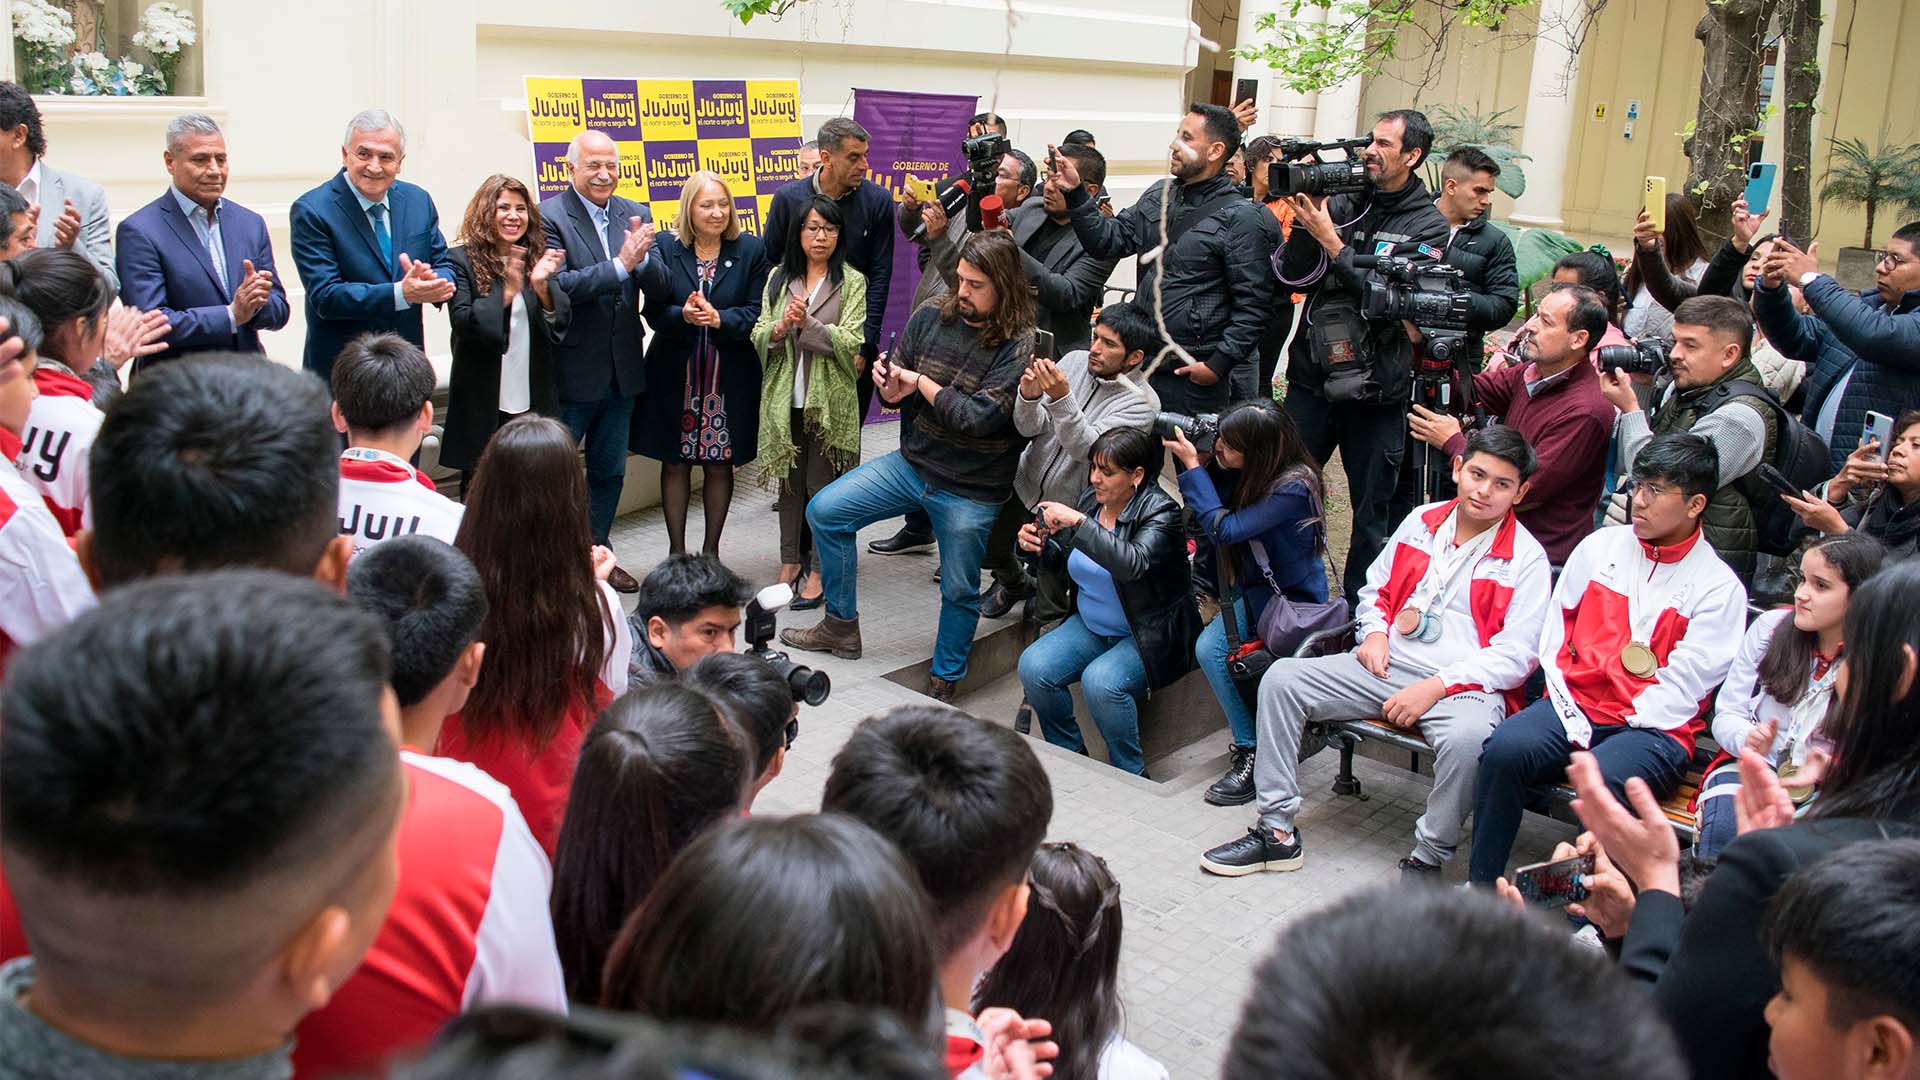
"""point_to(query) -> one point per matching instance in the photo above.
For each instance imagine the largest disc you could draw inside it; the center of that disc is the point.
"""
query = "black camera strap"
(1181, 219)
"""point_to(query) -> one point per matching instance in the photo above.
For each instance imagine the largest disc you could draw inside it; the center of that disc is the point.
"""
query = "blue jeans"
(601, 426)
(888, 487)
(1718, 822)
(1110, 673)
(1210, 652)
(1530, 749)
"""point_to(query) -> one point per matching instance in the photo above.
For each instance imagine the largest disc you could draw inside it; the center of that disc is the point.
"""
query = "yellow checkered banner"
(748, 131)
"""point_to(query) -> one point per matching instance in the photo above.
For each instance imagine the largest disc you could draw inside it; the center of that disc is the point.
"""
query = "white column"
(1548, 134)
(1337, 113)
(1282, 111)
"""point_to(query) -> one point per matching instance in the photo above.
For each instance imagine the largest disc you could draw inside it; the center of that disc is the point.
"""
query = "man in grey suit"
(599, 368)
(72, 211)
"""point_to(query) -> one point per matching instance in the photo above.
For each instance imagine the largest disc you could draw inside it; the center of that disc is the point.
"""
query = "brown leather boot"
(841, 637)
(940, 689)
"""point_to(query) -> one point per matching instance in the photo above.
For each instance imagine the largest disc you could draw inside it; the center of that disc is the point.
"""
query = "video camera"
(983, 154)
(1316, 177)
(808, 686)
(1431, 295)
(1201, 428)
(1647, 356)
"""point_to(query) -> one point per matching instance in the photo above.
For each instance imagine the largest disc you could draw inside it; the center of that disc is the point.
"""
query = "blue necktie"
(380, 234)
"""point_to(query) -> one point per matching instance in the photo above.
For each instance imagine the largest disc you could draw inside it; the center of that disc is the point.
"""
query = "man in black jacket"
(1348, 378)
(1485, 255)
(1213, 282)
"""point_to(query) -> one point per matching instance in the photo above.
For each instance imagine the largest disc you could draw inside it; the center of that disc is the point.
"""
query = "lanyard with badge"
(1645, 602)
(1803, 720)
(1425, 610)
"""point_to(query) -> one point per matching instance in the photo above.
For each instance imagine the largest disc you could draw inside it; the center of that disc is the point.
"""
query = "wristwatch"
(1806, 279)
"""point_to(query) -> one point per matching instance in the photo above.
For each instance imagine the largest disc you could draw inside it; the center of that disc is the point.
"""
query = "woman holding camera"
(1133, 622)
(1258, 501)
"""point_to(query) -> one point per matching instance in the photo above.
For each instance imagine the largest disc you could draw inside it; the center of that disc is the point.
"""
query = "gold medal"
(1787, 770)
(1638, 660)
(1408, 621)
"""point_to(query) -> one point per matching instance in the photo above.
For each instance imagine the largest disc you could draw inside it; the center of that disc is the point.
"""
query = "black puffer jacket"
(1147, 555)
(1485, 255)
(1216, 282)
(1376, 223)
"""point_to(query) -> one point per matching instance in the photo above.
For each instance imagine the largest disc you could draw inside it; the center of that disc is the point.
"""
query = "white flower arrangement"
(165, 29)
(42, 32)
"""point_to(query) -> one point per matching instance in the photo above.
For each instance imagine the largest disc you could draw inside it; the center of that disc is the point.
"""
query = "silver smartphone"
(1878, 426)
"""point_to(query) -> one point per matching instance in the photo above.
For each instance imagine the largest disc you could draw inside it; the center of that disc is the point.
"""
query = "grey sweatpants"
(1295, 691)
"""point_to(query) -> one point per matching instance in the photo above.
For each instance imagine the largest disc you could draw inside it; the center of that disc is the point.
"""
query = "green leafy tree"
(745, 10)
(1489, 133)
(1871, 176)
(1356, 37)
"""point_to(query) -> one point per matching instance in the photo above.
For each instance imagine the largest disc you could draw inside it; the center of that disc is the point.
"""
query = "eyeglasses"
(1652, 491)
(821, 230)
(793, 732)
(1897, 260)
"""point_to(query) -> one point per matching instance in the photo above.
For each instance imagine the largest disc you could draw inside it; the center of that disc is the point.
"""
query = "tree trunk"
(1732, 35)
(1801, 19)
(1871, 207)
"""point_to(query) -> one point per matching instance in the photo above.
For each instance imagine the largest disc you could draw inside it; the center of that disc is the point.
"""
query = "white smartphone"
(1878, 426)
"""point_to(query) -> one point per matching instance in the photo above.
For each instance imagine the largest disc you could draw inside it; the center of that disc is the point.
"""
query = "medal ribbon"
(1444, 572)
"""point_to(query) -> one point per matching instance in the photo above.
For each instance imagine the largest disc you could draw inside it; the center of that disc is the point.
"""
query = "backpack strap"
(1747, 388)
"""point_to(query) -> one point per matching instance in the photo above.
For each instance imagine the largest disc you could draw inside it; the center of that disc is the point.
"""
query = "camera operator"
(1213, 279)
(1553, 400)
(688, 607)
(954, 374)
(1348, 379)
(1710, 339)
(1261, 155)
(939, 243)
(1064, 408)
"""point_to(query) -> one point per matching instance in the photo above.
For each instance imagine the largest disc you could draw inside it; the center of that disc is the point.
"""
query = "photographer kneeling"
(1133, 622)
(688, 607)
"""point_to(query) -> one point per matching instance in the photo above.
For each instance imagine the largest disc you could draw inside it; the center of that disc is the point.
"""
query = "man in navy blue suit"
(203, 260)
(600, 366)
(367, 245)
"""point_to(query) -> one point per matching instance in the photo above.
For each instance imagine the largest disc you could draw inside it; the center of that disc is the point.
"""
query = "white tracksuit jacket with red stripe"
(58, 439)
(1694, 638)
(1492, 622)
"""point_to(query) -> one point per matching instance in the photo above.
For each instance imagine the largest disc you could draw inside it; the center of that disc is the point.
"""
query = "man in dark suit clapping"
(367, 245)
(205, 261)
(600, 365)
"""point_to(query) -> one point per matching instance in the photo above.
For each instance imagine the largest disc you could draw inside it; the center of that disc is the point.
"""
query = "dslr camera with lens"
(809, 686)
(1647, 356)
(1291, 176)
(1429, 294)
(1201, 428)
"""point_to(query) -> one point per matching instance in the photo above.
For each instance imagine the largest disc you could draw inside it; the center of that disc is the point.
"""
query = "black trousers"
(1372, 440)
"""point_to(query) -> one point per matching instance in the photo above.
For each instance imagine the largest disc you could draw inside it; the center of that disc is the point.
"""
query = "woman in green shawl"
(811, 323)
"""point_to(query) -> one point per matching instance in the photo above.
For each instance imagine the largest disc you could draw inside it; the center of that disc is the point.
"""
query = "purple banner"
(918, 134)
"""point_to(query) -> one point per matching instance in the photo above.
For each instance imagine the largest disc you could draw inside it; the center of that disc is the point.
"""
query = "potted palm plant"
(1488, 132)
(1868, 177)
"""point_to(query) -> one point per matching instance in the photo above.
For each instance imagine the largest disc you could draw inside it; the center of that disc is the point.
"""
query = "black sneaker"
(1236, 787)
(1254, 852)
(904, 542)
(1418, 871)
(1000, 600)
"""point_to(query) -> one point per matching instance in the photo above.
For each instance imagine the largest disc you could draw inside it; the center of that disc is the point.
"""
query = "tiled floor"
(1191, 939)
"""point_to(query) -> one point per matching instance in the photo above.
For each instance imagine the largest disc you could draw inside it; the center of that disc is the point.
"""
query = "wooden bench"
(1383, 742)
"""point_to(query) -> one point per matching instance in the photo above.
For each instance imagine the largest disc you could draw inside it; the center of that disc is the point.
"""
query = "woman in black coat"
(702, 406)
(1133, 620)
(507, 313)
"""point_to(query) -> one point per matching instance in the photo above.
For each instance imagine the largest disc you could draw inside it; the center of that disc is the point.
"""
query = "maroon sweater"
(1570, 426)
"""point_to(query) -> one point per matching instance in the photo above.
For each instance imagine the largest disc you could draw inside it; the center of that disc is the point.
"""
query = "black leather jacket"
(1147, 555)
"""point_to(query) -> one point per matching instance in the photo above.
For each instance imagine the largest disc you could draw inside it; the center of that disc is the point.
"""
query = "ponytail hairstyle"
(1064, 963)
(1788, 663)
(69, 294)
(1595, 269)
(661, 765)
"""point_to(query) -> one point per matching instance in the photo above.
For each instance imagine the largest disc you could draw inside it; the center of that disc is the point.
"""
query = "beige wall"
(283, 77)
(1645, 50)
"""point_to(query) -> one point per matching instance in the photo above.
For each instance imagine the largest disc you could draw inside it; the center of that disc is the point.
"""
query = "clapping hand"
(636, 244)
(1762, 801)
(256, 288)
(420, 285)
(66, 228)
(515, 269)
(547, 265)
(698, 312)
(132, 332)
